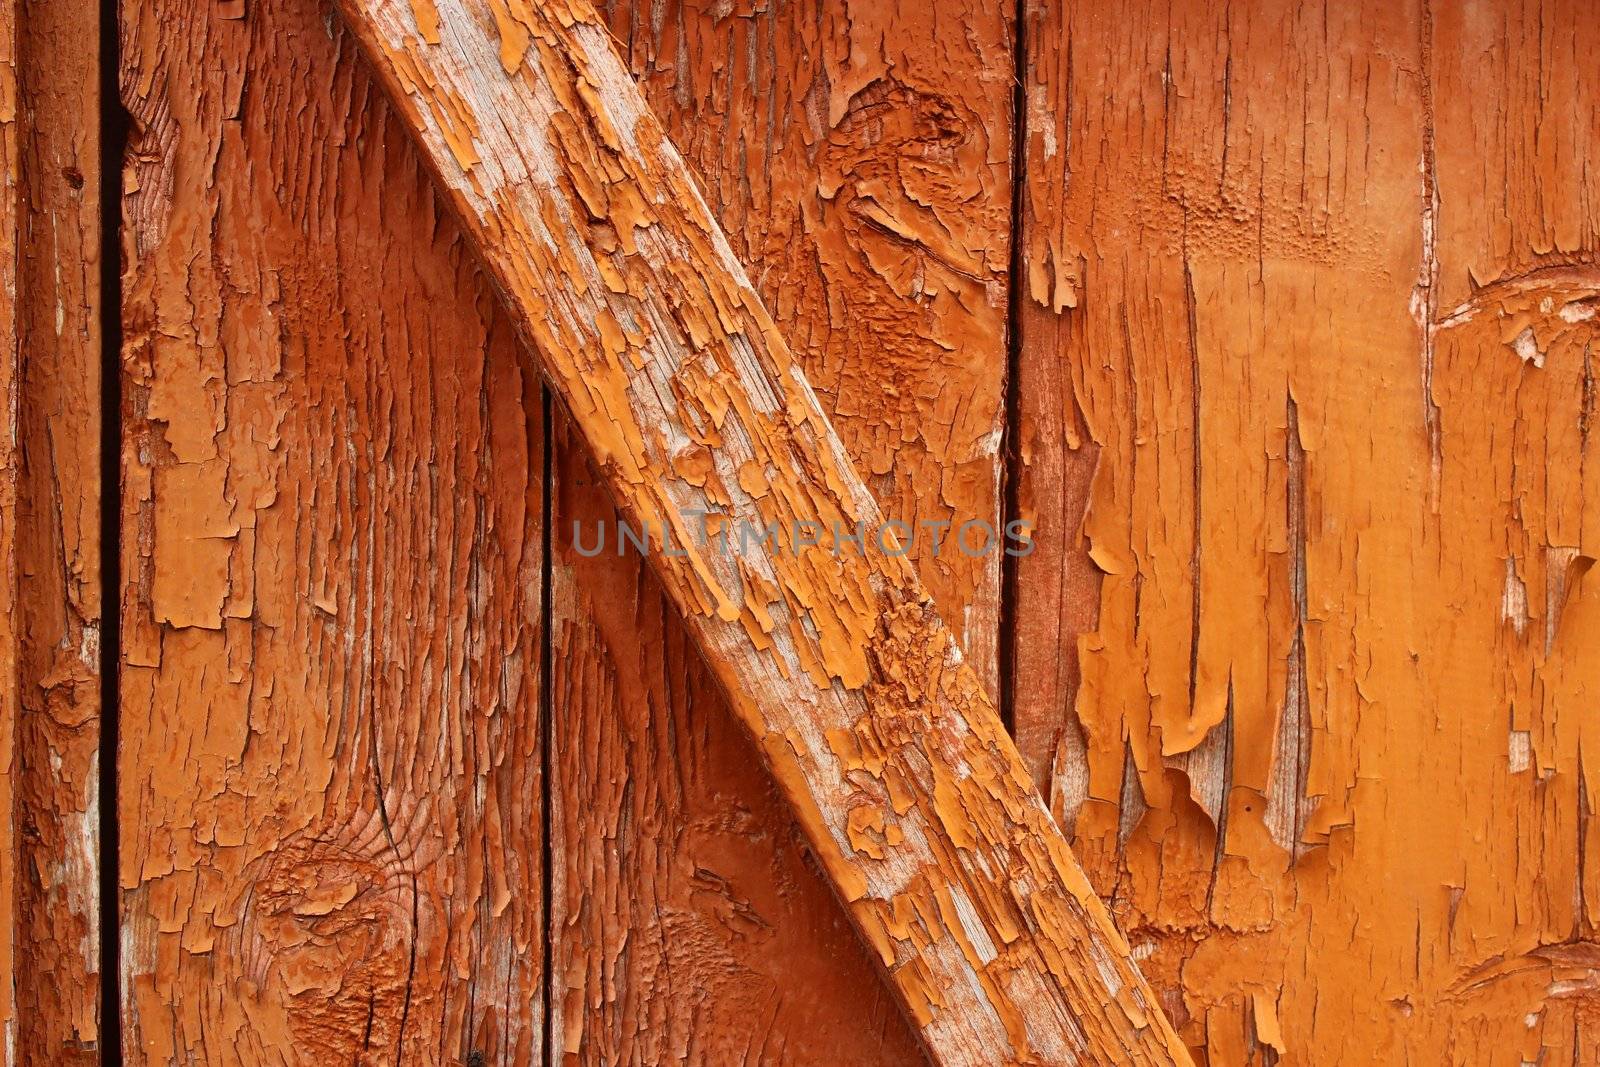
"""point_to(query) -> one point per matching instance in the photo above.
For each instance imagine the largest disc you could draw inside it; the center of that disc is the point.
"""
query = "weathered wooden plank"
(1314, 519)
(680, 930)
(330, 765)
(1510, 610)
(10, 464)
(56, 419)
(879, 735)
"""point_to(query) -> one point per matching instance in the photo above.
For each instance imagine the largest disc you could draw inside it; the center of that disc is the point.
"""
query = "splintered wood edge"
(883, 741)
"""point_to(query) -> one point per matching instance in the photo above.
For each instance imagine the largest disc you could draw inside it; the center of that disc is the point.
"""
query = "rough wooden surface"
(55, 418)
(686, 921)
(880, 737)
(1308, 385)
(330, 767)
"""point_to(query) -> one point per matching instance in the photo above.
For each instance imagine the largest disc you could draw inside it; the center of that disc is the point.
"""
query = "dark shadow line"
(115, 127)
(1011, 449)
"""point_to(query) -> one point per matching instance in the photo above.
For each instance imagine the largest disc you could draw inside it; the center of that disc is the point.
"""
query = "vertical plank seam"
(115, 125)
(1011, 431)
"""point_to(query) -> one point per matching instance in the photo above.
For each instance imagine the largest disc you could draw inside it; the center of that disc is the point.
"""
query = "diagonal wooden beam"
(908, 787)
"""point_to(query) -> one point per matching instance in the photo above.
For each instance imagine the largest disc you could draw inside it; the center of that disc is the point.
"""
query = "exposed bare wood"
(882, 739)
(330, 768)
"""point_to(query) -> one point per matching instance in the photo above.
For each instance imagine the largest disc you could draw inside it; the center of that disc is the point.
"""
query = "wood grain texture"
(1307, 386)
(687, 924)
(881, 738)
(330, 767)
(55, 416)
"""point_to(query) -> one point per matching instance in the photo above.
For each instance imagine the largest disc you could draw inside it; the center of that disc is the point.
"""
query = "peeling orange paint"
(1305, 402)
(331, 745)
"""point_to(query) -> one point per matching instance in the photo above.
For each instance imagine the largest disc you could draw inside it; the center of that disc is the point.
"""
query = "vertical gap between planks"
(114, 131)
(1011, 451)
(546, 729)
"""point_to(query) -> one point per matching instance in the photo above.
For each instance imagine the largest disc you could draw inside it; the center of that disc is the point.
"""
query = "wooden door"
(1277, 322)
